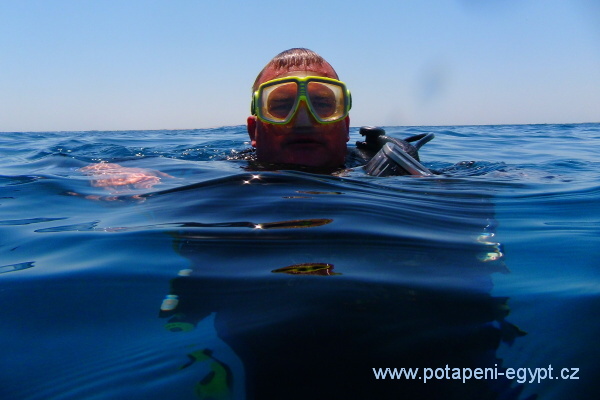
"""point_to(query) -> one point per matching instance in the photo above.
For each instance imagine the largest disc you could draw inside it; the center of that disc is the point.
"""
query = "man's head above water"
(300, 121)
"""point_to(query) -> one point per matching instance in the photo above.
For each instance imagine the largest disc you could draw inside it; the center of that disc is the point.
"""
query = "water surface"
(231, 283)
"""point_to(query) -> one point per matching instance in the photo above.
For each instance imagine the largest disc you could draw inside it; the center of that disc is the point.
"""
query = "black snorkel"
(392, 156)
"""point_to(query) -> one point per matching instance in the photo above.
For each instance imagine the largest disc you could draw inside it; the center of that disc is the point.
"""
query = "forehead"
(301, 71)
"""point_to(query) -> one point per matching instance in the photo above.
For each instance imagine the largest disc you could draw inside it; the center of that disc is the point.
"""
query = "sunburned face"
(302, 141)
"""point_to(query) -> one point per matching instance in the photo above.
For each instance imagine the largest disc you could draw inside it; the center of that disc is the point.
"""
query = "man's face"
(303, 141)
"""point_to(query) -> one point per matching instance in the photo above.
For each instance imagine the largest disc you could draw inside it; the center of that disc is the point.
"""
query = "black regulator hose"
(420, 139)
(392, 156)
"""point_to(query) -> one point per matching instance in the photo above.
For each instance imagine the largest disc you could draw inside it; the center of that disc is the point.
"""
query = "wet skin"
(303, 141)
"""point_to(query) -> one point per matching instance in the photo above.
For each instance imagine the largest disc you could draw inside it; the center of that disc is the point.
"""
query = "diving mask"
(277, 101)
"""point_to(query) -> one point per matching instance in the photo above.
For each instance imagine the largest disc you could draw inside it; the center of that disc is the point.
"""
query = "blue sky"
(183, 64)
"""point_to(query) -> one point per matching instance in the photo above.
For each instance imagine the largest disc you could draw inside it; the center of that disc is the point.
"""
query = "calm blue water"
(221, 282)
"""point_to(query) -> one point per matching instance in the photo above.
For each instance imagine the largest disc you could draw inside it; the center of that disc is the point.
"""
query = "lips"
(304, 142)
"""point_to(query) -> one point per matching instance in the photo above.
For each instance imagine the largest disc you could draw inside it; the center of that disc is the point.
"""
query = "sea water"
(226, 282)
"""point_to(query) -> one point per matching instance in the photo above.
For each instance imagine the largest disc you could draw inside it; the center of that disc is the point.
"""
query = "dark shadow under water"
(313, 307)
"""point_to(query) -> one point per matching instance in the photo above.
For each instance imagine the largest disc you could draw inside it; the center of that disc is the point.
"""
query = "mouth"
(304, 142)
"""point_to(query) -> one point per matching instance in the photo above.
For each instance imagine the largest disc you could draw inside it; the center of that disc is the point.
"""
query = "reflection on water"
(16, 267)
(308, 269)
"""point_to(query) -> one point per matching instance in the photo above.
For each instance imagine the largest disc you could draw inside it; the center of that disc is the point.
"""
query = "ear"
(251, 125)
(347, 128)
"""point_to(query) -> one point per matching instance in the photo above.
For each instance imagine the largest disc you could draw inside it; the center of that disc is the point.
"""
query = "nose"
(303, 118)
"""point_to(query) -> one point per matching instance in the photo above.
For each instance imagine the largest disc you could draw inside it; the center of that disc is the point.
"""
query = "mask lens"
(326, 100)
(278, 101)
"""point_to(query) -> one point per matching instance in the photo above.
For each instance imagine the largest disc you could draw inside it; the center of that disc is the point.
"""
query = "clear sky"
(183, 64)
